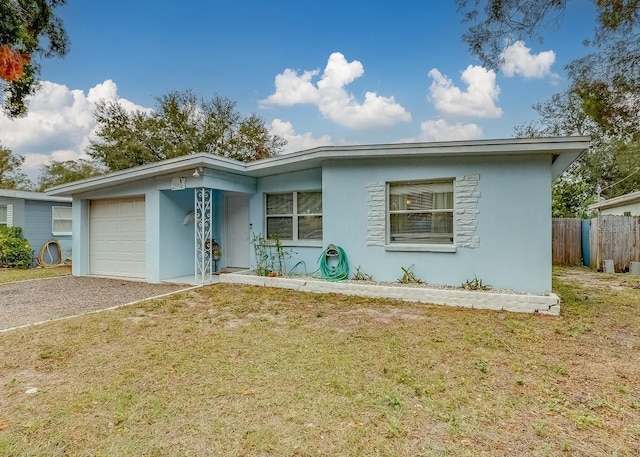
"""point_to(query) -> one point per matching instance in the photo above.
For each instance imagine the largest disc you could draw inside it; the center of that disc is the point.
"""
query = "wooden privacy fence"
(567, 241)
(591, 241)
(616, 238)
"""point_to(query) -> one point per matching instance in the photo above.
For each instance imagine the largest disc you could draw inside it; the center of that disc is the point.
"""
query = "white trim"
(9, 216)
(421, 247)
(295, 216)
(54, 219)
(26, 195)
(425, 247)
(571, 147)
(3, 221)
(632, 197)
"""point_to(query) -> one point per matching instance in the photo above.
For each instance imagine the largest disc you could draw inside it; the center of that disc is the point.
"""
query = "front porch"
(202, 231)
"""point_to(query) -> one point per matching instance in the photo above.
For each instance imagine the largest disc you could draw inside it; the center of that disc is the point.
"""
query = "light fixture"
(196, 172)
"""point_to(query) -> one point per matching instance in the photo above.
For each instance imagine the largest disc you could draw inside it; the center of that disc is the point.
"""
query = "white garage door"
(117, 237)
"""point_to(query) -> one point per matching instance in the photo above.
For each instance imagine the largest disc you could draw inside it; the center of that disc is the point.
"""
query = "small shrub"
(359, 275)
(475, 284)
(270, 255)
(14, 250)
(408, 276)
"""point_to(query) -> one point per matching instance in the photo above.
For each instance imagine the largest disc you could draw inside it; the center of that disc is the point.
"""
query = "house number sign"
(178, 183)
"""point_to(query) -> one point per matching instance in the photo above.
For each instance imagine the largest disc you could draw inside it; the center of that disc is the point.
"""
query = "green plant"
(408, 276)
(359, 275)
(14, 250)
(270, 255)
(481, 365)
(475, 284)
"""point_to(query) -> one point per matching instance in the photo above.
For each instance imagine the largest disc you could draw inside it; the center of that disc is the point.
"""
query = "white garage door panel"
(118, 238)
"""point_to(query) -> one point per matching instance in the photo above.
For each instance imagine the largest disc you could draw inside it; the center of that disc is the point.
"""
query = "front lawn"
(230, 370)
(22, 274)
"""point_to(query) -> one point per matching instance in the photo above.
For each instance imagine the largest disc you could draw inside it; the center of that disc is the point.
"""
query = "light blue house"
(41, 217)
(453, 210)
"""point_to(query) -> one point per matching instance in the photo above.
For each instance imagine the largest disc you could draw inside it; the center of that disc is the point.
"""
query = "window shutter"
(9, 215)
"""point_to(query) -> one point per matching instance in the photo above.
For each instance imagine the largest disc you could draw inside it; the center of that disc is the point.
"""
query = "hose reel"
(333, 263)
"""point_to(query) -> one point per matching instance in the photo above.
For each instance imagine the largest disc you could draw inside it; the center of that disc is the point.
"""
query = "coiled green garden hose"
(336, 272)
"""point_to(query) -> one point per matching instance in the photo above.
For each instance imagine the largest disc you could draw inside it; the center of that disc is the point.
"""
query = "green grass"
(20, 274)
(228, 370)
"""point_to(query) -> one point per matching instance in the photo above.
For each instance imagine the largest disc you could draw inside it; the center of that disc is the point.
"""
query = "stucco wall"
(176, 238)
(511, 245)
(502, 215)
(169, 244)
(307, 255)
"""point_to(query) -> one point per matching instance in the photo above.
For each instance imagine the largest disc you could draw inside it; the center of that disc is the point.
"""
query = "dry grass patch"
(228, 370)
(19, 274)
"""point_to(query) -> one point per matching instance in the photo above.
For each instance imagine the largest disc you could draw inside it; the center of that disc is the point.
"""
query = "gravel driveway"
(28, 302)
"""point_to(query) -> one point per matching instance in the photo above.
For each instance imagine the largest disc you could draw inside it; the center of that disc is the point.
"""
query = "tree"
(10, 175)
(28, 28)
(182, 124)
(606, 79)
(609, 168)
(601, 100)
(60, 172)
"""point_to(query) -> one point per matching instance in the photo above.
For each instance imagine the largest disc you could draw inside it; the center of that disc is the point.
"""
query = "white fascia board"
(164, 167)
(569, 148)
(617, 201)
(301, 160)
(38, 196)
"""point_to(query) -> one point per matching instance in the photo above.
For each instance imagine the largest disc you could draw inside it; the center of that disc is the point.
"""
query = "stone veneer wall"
(465, 213)
(376, 217)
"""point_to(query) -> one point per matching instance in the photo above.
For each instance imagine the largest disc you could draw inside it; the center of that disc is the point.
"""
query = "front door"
(236, 251)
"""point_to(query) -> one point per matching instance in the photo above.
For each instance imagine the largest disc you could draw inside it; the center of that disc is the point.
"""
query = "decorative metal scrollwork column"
(203, 233)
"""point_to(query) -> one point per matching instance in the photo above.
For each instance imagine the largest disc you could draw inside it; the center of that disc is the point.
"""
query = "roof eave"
(630, 198)
(564, 150)
(151, 170)
(28, 195)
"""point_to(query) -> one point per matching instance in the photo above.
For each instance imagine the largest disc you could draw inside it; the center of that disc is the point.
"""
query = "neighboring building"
(625, 205)
(41, 217)
(453, 210)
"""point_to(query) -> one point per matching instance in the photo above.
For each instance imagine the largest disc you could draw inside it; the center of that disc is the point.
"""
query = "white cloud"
(292, 89)
(332, 100)
(441, 130)
(295, 141)
(59, 124)
(477, 101)
(518, 60)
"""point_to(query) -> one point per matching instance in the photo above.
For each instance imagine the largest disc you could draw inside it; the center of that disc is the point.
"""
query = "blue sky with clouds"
(318, 73)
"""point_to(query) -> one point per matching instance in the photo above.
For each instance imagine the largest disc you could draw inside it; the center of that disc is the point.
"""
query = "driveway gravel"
(29, 302)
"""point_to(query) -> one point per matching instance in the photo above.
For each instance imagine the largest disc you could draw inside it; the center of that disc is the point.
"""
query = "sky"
(318, 73)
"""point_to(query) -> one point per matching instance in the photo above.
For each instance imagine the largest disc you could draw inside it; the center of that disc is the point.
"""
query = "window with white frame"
(3, 215)
(420, 212)
(294, 216)
(61, 220)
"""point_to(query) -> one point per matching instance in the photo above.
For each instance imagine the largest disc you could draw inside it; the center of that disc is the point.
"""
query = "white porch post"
(203, 228)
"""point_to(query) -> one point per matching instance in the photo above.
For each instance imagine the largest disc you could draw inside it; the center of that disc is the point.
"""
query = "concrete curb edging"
(519, 303)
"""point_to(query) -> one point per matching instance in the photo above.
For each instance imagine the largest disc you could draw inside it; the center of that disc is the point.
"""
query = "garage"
(117, 237)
